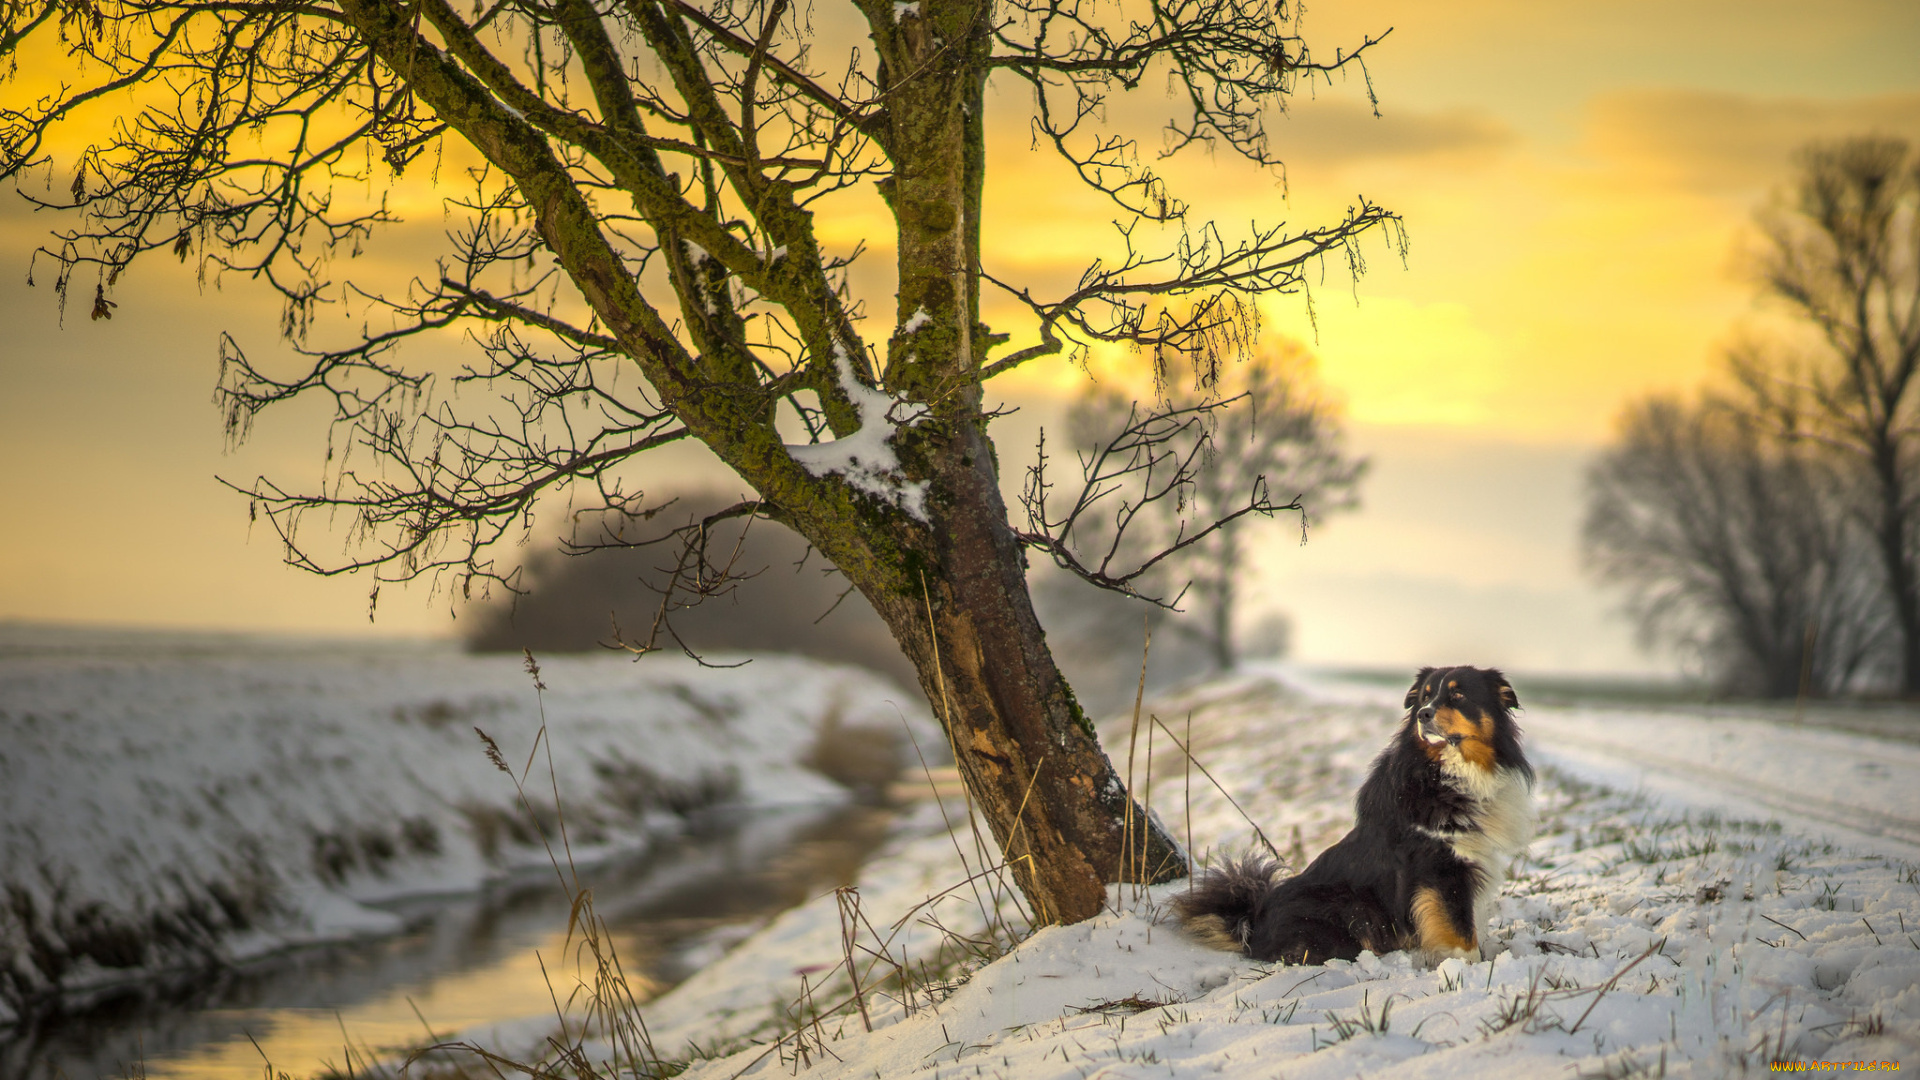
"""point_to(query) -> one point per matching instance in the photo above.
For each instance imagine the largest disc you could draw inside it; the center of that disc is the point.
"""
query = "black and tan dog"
(1447, 806)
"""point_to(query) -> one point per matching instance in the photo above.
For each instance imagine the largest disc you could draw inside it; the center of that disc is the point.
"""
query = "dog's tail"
(1224, 906)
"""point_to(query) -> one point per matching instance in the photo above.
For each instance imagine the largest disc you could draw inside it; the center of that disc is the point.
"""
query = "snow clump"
(865, 459)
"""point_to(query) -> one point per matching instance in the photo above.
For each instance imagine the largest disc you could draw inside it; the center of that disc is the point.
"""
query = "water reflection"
(465, 962)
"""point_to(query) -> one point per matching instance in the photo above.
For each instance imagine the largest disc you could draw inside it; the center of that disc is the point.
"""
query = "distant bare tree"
(1255, 427)
(1843, 253)
(1776, 527)
(1733, 539)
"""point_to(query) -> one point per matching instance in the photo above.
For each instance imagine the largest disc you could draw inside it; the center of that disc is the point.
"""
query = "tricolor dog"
(1447, 807)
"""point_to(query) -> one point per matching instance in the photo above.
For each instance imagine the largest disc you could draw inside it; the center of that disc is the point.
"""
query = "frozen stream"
(462, 962)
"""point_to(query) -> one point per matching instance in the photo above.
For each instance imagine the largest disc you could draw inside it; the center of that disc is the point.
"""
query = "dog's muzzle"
(1428, 730)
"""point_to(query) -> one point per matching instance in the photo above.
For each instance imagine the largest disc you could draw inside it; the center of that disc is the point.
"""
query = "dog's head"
(1466, 709)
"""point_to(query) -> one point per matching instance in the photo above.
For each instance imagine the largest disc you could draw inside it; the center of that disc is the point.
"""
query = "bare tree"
(635, 260)
(1732, 538)
(1843, 253)
(1250, 428)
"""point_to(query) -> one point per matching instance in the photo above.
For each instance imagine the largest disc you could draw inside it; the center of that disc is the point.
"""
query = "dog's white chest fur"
(1503, 827)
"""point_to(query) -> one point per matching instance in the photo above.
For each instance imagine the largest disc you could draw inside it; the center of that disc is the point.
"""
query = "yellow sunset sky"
(1577, 182)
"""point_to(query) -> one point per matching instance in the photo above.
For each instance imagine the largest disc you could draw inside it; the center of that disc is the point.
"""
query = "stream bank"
(461, 962)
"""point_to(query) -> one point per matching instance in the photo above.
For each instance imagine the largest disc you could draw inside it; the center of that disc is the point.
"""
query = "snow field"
(163, 810)
(1637, 938)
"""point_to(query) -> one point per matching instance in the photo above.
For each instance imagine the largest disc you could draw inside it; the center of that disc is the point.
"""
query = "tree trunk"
(1062, 817)
(1029, 754)
(1896, 555)
(1226, 574)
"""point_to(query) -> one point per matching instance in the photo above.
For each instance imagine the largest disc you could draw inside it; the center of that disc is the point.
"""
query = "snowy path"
(1856, 789)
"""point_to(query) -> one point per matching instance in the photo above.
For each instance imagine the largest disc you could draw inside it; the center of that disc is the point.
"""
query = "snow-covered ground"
(1715, 904)
(172, 802)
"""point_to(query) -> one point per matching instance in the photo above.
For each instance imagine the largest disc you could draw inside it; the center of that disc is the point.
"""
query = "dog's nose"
(1425, 714)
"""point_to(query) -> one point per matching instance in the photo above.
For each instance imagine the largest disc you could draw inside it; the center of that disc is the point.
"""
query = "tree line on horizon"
(1769, 526)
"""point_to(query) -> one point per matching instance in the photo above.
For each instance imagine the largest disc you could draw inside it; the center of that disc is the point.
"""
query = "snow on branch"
(865, 459)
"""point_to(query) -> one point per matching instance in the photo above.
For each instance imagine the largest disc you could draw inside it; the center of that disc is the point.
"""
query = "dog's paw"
(1435, 957)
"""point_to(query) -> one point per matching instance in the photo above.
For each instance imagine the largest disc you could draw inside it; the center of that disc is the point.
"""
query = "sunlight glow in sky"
(1576, 180)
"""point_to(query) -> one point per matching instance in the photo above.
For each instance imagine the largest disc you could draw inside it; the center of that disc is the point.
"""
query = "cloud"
(1339, 131)
(1721, 143)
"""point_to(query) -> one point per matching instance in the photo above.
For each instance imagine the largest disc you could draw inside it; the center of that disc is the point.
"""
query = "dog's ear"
(1505, 689)
(1413, 692)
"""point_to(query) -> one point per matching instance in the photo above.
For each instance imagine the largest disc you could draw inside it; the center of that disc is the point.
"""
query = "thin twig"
(1133, 737)
(1609, 984)
(1782, 926)
(1257, 831)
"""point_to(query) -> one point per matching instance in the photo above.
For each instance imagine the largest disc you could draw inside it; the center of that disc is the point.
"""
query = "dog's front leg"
(1443, 922)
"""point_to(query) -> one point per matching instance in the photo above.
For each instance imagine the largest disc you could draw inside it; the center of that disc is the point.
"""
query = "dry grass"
(599, 1025)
